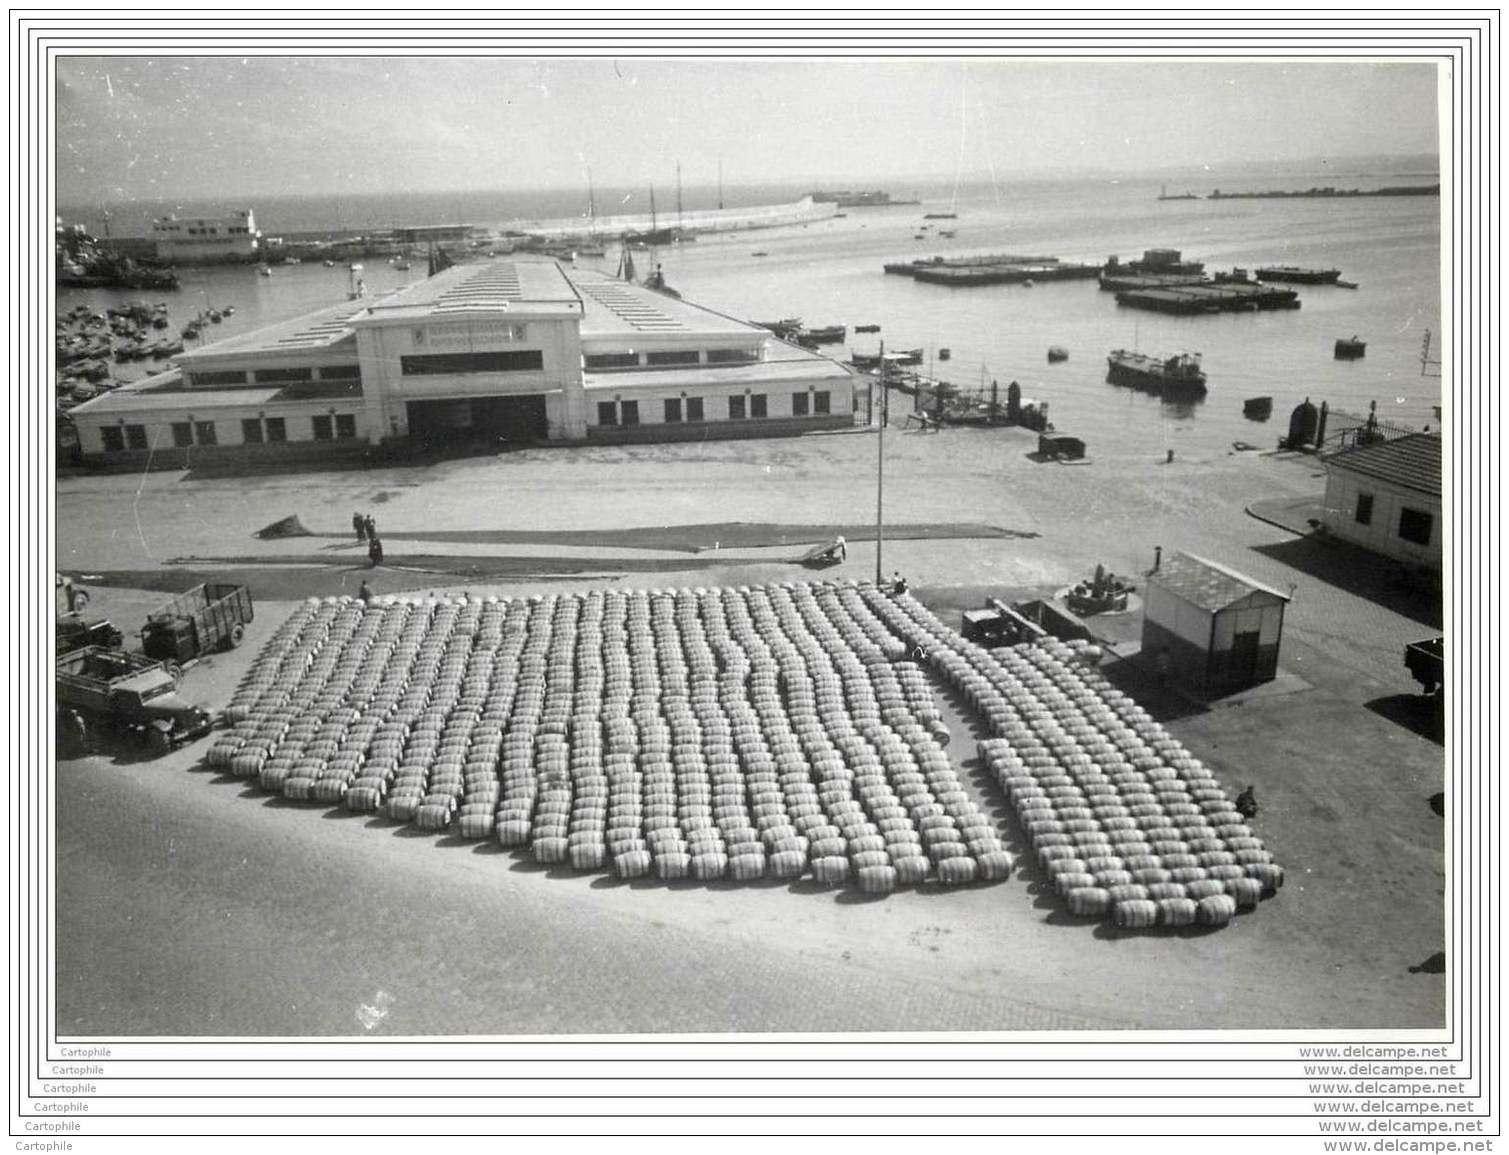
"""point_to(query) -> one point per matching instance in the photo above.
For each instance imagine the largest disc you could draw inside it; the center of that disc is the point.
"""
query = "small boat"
(1346, 284)
(1057, 353)
(402, 266)
(945, 353)
(939, 216)
(228, 310)
(215, 316)
(264, 271)
(1257, 408)
(1350, 349)
(191, 330)
(1177, 377)
(867, 328)
(864, 360)
(906, 356)
(831, 335)
(919, 237)
(759, 253)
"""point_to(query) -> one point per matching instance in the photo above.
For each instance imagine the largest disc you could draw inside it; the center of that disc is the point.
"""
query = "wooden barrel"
(876, 879)
(550, 851)
(512, 832)
(787, 864)
(1127, 892)
(1188, 874)
(868, 842)
(586, 855)
(746, 867)
(1148, 875)
(362, 799)
(869, 858)
(632, 864)
(476, 825)
(1109, 878)
(1176, 911)
(672, 865)
(828, 847)
(832, 870)
(1247, 892)
(1088, 901)
(958, 870)
(1226, 873)
(403, 807)
(1216, 910)
(709, 865)
(1253, 857)
(1135, 914)
(1065, 884)
(995, 865)
(911, 869)
(1269, 874)
(1204, 888)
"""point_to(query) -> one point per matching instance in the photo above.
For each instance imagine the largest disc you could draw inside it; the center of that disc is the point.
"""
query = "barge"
(1003, 274)
(1293, 275)
(1193, 300)
(1177, 377)
(1350, 348)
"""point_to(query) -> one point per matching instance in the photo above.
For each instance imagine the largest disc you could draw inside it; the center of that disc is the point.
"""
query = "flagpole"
(880, 470)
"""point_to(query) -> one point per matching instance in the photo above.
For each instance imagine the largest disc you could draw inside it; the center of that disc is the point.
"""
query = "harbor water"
(829, 272)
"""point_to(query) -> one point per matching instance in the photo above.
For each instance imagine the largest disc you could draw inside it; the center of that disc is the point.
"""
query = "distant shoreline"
(1431, 190)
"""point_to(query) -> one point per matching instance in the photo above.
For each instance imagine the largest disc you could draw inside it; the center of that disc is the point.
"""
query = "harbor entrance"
(518, 418)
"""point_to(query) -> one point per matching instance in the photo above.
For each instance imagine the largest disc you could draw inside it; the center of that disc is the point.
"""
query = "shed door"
(1244, 656)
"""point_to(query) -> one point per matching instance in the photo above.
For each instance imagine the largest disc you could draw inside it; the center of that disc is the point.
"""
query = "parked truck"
(1426, 662)
(106, 689)
(209, 617)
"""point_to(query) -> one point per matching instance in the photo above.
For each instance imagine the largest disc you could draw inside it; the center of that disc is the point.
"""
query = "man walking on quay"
(359, 523)
(369, 523)
(374, 552)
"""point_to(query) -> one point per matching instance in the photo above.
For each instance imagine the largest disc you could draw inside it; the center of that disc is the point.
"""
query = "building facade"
(479, 355)
(1386, 497)
(199, 240)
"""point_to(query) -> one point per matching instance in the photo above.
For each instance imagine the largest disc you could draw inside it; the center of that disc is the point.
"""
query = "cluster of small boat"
(791, 329)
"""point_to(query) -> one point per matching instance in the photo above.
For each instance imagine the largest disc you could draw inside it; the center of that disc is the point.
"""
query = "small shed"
(1216, 628)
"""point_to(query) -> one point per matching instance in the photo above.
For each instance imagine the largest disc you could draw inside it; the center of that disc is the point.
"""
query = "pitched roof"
(1207, 584)
(1413, 461)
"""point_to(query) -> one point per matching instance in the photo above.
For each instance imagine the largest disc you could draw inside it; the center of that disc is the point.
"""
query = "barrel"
(746, 867)
(1135, 914)
(869, 858)
(632, 864)
(672, 865)
(583, 855)
(911, 869)
(1269, 875)
(512, 832)
(1127, 892)
(1246, 891)
(709, 865)
(876, 879)
(1216, 910)
(787, 864)
(476, 825)
(832, 870)
(1069, 882)
(550, 851)
(1176, 911)
(995, 865)
(1158, 891)
(958, 870)
(362, 799)
(403, 807)
(1088, 901)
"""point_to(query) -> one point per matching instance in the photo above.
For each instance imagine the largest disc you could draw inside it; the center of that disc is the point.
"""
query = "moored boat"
(1179, 376)
(1257, 408)
(1350, 348)
(1298, 276)
(867, 328)
(1057, 353)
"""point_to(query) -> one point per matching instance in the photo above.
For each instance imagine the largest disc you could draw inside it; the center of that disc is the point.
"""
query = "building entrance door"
(1244, 655)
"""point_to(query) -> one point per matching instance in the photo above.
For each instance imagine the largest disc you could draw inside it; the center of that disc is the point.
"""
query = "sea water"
(830, 272)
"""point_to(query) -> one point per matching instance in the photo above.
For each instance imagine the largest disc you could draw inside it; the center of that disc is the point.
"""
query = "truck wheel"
(238, 632)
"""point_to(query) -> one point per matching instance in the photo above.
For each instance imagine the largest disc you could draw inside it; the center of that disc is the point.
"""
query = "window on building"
(114, 439)
(607, 412)
(1414, 525)
(204, 432)
(251, 430)
(322, 428)
(183, 434)
(732, 356)
(341, 373)
(1364, 509)
(277, 429)
(282, 376)
(735, 408)
(611, 360)
(672, 357)
(629, 411)
(136, 437)
(694, 409)
(345, 425)
(822, 401)
(799, 404)
(673, 409)
(218, 377)
(501, 361)
(757, 405)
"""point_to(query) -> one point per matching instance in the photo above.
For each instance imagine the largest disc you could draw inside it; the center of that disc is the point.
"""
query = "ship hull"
(1152, 379)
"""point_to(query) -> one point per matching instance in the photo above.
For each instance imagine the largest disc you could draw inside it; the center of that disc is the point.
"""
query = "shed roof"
(1413, 462)
(1207, 584)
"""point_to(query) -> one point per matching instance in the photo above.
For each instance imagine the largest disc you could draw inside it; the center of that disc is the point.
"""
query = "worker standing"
(370, 524)
(359, 523)
(374, 551)
(365, 593)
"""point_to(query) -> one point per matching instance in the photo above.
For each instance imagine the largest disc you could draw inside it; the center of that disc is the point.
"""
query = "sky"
(231, 126)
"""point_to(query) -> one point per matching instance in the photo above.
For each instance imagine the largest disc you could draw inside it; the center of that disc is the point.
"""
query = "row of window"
(283, 376)
(1415, 525)
(498, 361)
(741, 406)
(665, 357)
(254, 431)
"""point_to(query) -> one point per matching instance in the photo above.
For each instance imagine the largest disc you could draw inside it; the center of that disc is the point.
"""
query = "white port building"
(508, 352)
